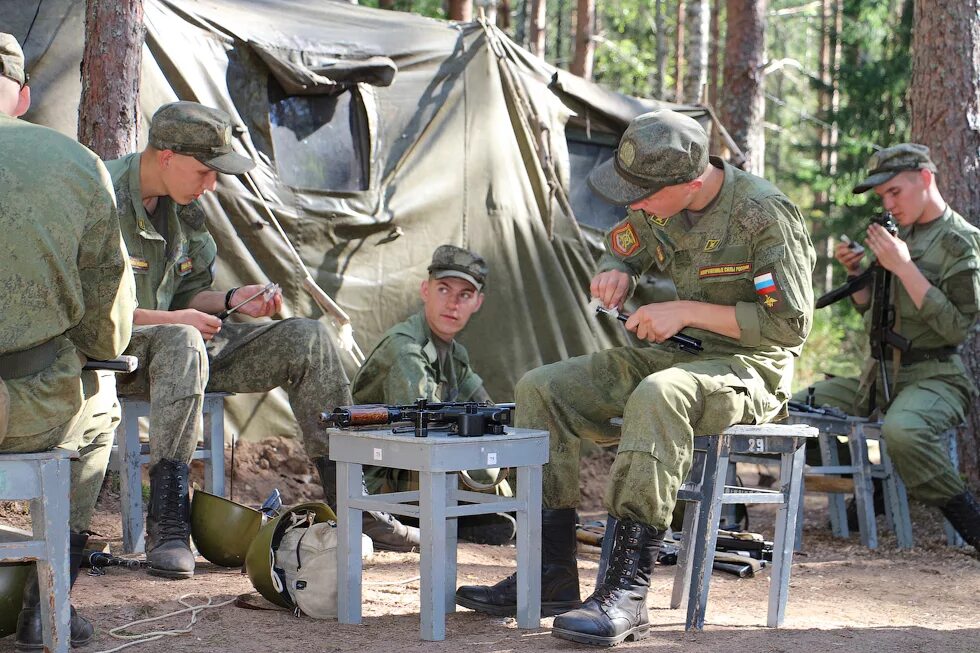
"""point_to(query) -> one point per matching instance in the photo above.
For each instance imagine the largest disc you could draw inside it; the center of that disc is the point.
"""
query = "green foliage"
(837, 345)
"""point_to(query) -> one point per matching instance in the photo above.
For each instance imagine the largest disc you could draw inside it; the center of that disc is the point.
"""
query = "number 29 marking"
(757, 445)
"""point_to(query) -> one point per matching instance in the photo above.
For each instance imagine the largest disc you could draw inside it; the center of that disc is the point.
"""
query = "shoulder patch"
(623, 239)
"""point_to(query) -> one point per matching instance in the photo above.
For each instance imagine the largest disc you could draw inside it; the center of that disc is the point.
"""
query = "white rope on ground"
(143, 638)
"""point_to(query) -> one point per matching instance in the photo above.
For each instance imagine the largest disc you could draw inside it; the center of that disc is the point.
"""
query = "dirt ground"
(842, 596)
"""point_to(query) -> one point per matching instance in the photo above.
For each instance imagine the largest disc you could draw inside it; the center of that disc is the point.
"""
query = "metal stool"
(853, 428)
(44, 479)
(896, 498)
(128, 455)
(437, 458)
(706, 492)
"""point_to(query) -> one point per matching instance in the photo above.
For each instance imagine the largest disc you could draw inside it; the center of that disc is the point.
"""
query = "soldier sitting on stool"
(741, 259)
(185, 349)
(936, 261)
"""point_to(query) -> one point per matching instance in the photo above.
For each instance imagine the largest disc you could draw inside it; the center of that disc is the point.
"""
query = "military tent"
(378, 135)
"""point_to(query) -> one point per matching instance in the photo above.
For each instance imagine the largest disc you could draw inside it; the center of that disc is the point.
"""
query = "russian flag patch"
(765, 284)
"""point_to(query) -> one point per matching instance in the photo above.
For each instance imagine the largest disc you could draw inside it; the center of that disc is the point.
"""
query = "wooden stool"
(43, 478)
(128, 455)
(437, 458)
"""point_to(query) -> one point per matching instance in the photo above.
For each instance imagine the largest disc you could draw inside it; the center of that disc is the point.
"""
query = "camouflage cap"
(12, 59)
(890, 161)
(452, 261)
(659, 149)
(201, 132)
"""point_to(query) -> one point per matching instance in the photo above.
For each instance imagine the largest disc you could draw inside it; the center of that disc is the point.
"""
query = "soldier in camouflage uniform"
(741, 259)
(421, 358)
(184, 347)
(936, 262)
(67, 296)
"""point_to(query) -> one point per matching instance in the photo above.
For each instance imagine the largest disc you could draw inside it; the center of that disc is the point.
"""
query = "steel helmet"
(222, 529)
(260, 559)
(13, 577)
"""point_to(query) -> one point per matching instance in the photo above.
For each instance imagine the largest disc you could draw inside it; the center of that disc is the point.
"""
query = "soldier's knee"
(534, 386)
(176, 338)
(670, 386)
(903, 433)
(305, 336)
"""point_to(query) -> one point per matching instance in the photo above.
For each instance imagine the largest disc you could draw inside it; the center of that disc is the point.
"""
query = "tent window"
(590, 211)
(320, 141)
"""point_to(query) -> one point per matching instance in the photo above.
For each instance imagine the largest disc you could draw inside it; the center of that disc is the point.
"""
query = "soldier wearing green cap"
(420, 357)
(67, 295)
(935, 260)
(741, 260)
(183, 345)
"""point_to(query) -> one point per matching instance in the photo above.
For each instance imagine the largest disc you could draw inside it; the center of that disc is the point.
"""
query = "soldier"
(67, 295)
(184, 348)
(421, 358)
(936, 261)
(741, 259)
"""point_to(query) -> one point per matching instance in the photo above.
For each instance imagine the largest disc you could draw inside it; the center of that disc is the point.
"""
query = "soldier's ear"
(424, 290)
(23, 101)
(479, 301)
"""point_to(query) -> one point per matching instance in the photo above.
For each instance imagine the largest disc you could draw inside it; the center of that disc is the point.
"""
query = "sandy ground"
(842, 596)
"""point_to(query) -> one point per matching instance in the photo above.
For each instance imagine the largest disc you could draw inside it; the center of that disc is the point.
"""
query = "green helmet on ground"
(260, 559)
(13, 576)
(222, 529)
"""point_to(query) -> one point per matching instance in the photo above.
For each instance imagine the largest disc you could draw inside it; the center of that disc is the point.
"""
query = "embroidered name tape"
(723, 270)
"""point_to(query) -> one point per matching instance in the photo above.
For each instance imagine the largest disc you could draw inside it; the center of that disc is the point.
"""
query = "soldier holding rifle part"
(935, 263)
(741, 259)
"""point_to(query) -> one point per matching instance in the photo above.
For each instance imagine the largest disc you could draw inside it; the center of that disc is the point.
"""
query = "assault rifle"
(466, 418)
(882, 334)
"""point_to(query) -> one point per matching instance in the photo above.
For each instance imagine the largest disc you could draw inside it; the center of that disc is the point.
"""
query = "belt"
(27, 362)
(918, 355)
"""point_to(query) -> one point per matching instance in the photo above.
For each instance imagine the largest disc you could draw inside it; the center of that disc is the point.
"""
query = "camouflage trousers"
(90, 433)
(665, 397)
(920, 412)
(389, 479)
(177, 366)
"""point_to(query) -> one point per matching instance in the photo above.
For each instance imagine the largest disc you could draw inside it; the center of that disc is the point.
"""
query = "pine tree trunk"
(698, 17)
(714, 40)
(386, 4)
(679, 63)
(538, 21)
(461, 10)
(659, 75)
(108, 112)
(503, 15)
(944, 96)
(744, 106)
(584, 46)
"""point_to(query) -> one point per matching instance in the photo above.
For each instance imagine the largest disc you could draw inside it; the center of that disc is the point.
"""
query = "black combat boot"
(30, 627)
(559, 574)
(496, 529)
(617, 610)
(385, 531)
(963, 513)
(168, 522)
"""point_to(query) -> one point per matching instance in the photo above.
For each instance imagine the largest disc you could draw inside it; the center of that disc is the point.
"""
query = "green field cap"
(201, 132)
(890, 161)
(659, 149)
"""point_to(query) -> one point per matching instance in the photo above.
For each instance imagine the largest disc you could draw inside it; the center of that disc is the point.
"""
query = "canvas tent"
(378, 135)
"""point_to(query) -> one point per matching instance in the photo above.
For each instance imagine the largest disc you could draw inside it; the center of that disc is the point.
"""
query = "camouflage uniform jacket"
(749, 249)
(947, 252)
(405, 366)
(169, 271)
(63, 269)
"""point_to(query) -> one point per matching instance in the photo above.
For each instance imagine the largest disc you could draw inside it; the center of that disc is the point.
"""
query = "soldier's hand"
(610, 288)
(265, 305)
(847, 257)
(657, 322)
(892, 252)
(206, 323)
